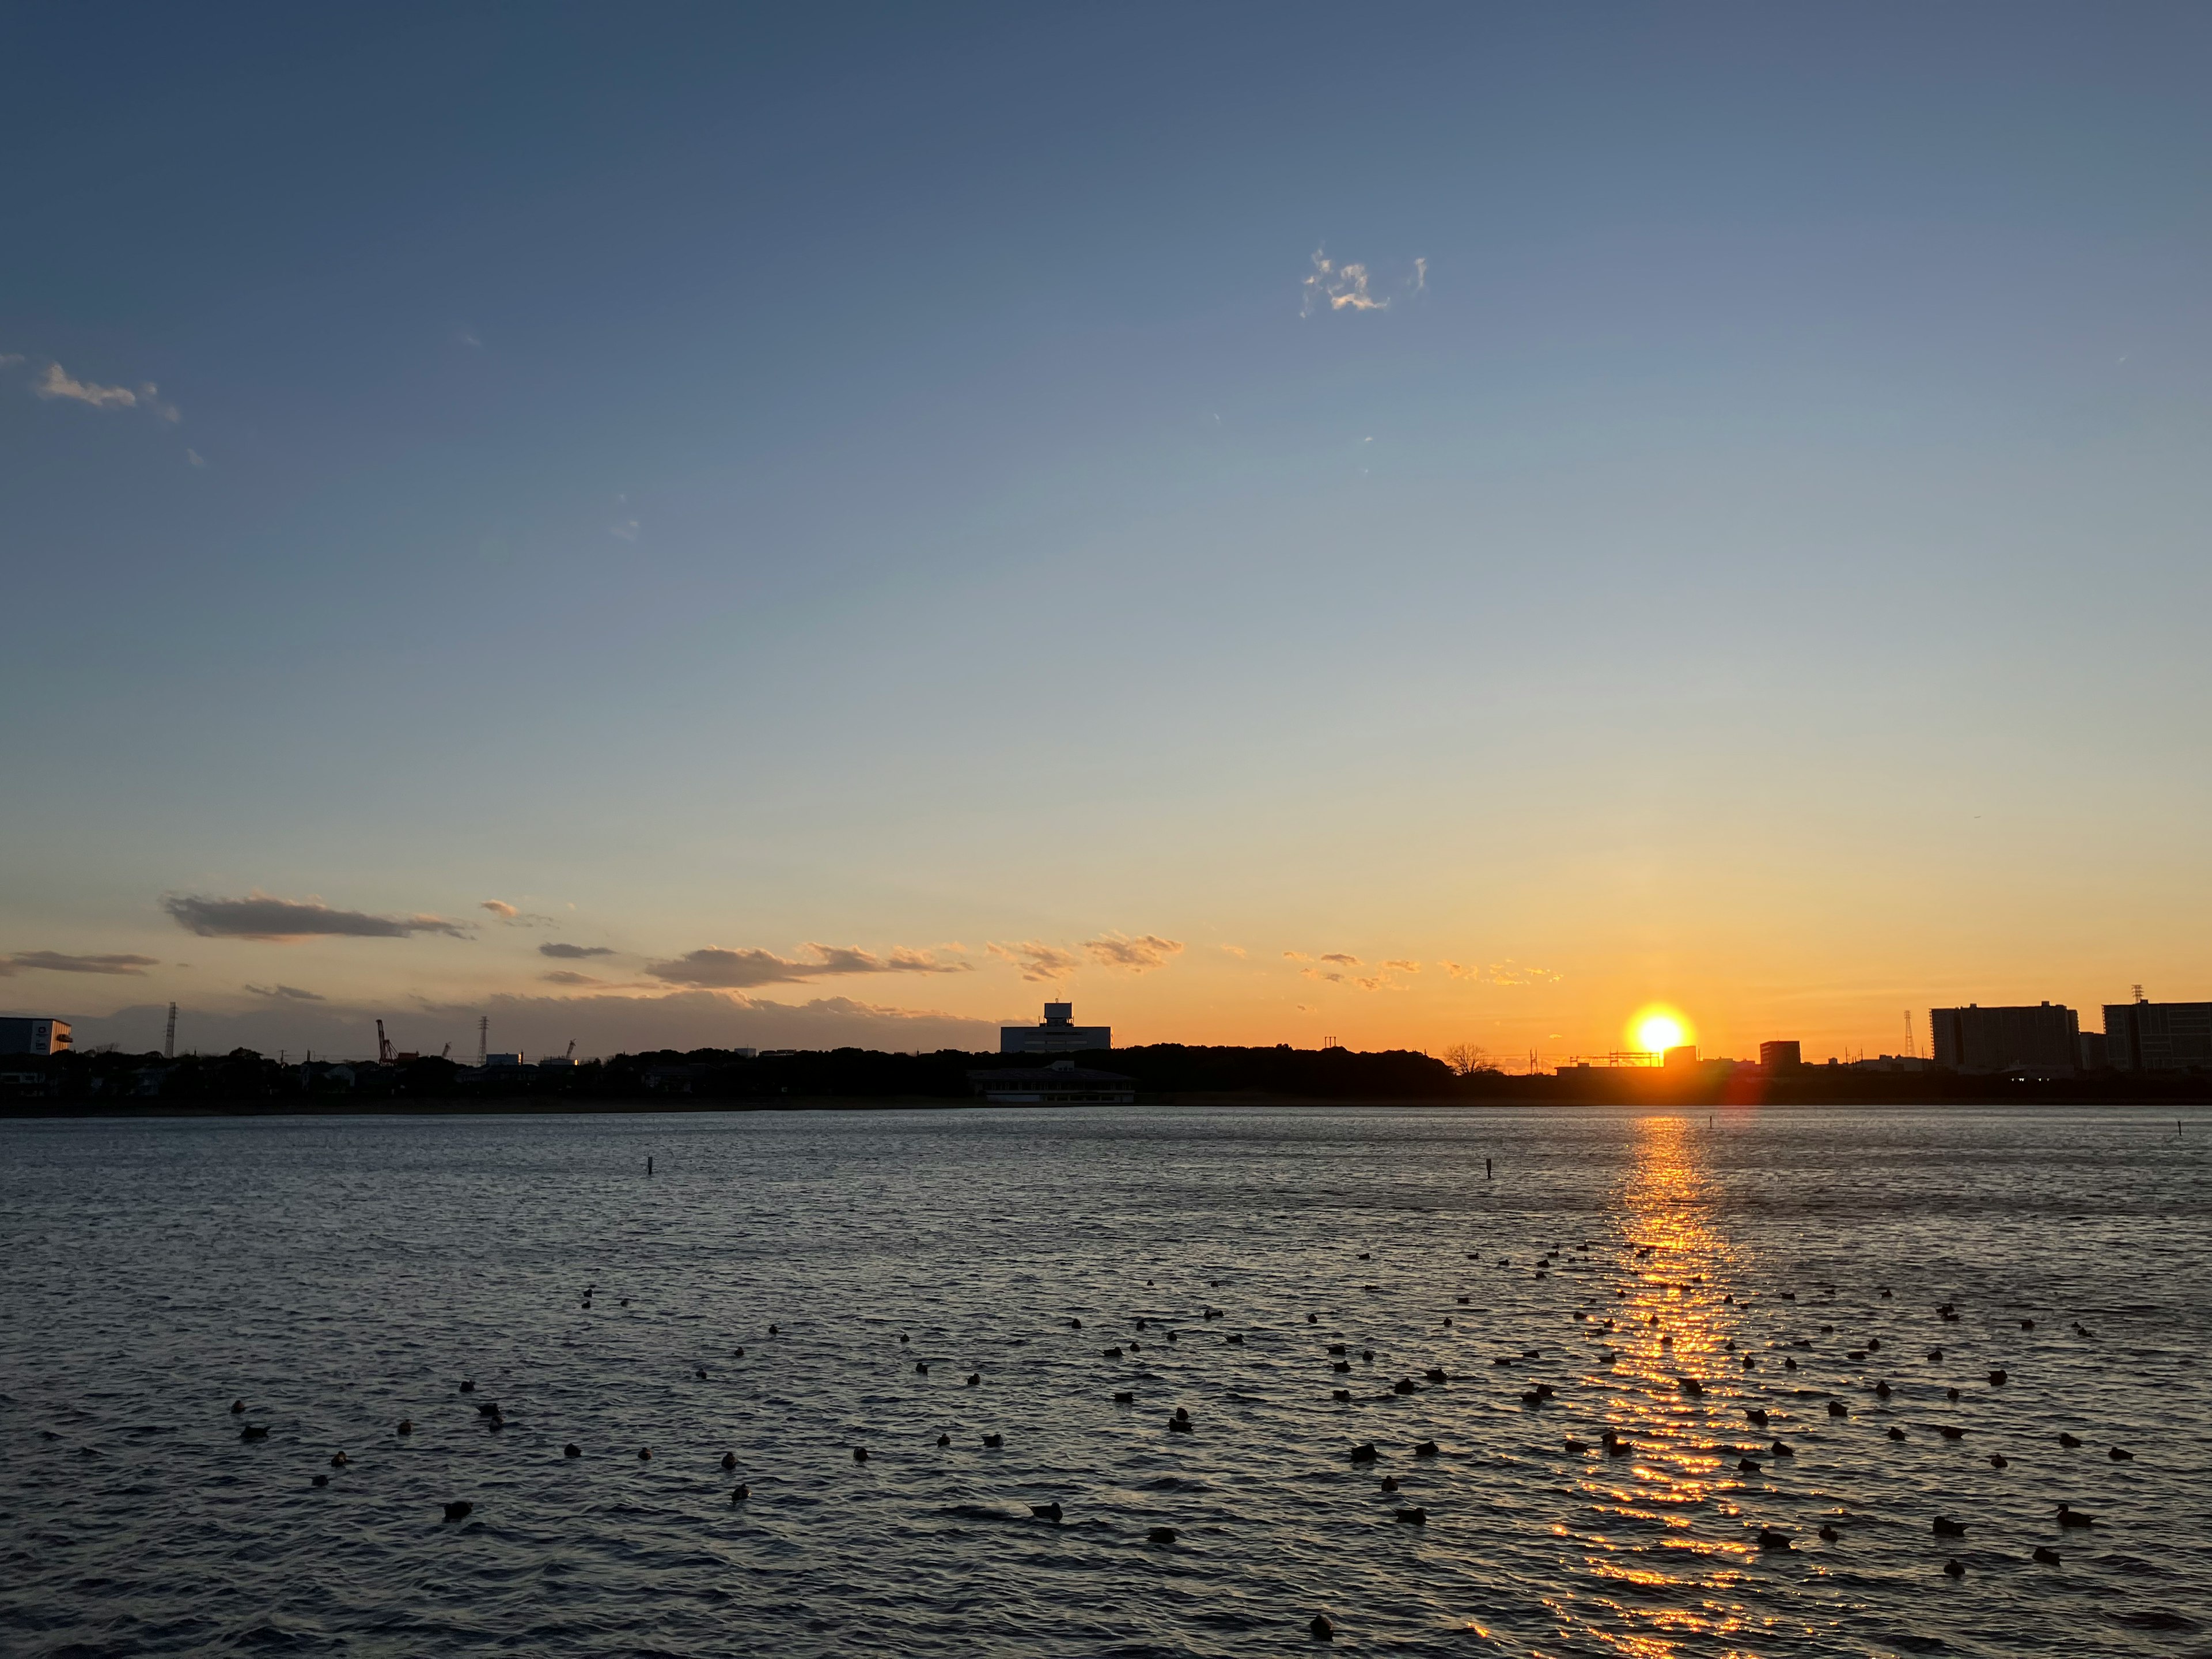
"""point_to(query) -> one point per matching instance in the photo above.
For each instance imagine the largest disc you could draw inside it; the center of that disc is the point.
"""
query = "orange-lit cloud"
(715, 968)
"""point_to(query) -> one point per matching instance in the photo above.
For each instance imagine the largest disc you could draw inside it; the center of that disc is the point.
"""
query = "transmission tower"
(170, 1036)
(483, 1038)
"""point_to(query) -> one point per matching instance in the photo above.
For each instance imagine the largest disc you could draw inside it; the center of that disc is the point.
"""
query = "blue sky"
(897, 481)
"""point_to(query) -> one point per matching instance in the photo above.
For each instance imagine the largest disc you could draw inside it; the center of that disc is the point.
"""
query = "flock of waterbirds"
(1610, 1335)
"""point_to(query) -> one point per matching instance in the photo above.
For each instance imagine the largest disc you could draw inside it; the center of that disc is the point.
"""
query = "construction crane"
(572, 1050)
(383, 1046)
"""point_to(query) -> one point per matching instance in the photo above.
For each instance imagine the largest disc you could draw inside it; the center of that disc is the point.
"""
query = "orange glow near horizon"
(1656, 1028)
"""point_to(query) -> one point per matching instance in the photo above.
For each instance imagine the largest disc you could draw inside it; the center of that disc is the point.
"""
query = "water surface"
(339, 1275)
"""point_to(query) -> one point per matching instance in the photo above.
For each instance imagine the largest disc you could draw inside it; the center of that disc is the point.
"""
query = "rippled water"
(339, 1275)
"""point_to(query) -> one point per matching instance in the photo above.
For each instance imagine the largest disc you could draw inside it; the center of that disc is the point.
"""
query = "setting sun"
(1657, 1029)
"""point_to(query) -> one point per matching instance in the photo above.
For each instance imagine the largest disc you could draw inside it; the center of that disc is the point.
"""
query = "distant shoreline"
(557, 1106)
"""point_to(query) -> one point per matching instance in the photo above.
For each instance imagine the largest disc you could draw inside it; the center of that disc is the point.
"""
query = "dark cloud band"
(260, 917)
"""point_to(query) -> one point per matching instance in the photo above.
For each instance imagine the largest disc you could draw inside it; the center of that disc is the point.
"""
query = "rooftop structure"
(1058, 1035)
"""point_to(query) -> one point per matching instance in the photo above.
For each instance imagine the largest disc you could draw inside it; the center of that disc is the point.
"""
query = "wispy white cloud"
(1348, 287)
(626, 531)
(195, 458)
(57, 382)
(500, 908)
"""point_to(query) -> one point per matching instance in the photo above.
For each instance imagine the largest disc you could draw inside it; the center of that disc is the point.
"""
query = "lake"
(339, 1275)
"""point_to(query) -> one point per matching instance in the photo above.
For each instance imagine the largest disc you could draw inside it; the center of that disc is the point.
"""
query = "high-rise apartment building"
(2046, 1037)
(2158, 1037)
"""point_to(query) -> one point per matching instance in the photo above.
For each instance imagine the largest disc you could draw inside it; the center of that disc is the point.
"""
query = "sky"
(665, 526)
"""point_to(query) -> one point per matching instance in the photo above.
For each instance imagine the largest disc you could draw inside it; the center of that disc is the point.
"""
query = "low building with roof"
(1063, 1083)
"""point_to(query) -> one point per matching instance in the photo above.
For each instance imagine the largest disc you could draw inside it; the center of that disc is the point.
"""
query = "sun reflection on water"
(1650, 1541)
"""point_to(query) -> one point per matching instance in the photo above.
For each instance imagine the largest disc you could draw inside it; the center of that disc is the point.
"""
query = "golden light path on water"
(1677, 1333)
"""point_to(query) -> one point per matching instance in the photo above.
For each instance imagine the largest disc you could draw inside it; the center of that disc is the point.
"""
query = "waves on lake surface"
(1657, 1276)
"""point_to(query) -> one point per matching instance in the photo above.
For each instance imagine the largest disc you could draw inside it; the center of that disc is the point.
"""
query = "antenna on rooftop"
(2140, 997)
(169, 1038)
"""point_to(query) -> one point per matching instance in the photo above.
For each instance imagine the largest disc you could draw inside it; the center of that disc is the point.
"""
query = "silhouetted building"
(2158, 1037)
(34, 1037)
(1063, 1083)
(1781, 1057)
(2046, 1037)
(1890, 1063)
(1059, 1035)
(2094, 1057)
(1676, 1059)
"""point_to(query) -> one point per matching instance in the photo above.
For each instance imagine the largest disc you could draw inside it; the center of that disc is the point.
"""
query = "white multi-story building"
(1058, 1035)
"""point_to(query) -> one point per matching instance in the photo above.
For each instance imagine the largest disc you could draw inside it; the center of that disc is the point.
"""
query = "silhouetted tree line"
(243, 1081)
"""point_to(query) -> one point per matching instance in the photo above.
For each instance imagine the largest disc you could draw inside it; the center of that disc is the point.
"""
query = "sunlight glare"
(1657, 1028)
